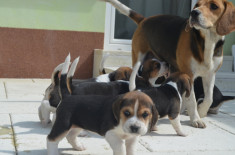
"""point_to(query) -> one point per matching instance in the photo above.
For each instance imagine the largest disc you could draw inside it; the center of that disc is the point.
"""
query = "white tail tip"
(66, 65)
(132, 85)
(73, 67)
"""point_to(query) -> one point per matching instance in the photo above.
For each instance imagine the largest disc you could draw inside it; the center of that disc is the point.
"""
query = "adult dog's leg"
(208, 86)
(191, 106)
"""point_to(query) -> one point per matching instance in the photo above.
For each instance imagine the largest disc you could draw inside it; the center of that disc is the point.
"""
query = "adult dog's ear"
(154, 117)
(226, 23)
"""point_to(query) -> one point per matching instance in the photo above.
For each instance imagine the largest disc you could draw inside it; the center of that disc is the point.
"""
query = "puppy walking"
(120, 119)
(168, 97)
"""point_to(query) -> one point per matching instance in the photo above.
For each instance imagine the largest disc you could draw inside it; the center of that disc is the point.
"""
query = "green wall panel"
(229, 40)
(77, 15)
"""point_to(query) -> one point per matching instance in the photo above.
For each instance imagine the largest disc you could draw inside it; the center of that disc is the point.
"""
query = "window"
(119, 28)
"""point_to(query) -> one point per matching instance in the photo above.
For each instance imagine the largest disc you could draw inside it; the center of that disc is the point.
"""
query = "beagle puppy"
(218, 97)
(153, 70)
(52, 96)
(151, 67)
(120, 119)
(192, 46)
(168, 97)
(100, 88)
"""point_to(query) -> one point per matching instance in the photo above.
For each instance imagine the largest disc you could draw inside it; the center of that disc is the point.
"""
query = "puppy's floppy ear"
(112, 76)
(226, 23)
(127, 75)
(117, 107)
(154, 117)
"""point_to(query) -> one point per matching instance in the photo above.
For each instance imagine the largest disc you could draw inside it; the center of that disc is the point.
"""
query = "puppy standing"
(192, 46)
(52, 95)
(168, 97)
(121, 119)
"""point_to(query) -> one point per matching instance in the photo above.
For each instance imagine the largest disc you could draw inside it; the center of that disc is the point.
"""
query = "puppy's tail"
(63, 86)
(101, 69)
(228, 98)
(136, 17)
(71, 74)
(132, 85)
(54, 76)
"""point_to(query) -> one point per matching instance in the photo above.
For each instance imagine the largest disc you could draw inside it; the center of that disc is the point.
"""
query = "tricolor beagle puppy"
(192, 46)
(168, 97)
(110, 88)
(151, 68)
(218, 97)
(120, 119)
(52, 96)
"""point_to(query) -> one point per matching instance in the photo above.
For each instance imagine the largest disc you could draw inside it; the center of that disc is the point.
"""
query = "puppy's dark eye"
(213, 6)
(197, 5)
(127, 113)
(158, 65)
(145, 114)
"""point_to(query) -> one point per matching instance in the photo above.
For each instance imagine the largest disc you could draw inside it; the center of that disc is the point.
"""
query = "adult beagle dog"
(120, 119)
(168, 97)
(192, 46)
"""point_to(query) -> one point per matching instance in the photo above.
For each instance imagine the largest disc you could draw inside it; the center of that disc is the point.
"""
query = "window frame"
(110, 43)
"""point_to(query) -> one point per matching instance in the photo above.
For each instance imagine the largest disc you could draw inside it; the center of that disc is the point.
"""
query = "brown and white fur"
(192, 46)
(168, 97)
(120, 119)
(52, 96)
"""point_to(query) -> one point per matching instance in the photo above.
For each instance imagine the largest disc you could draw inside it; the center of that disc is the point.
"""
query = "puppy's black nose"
(134, 129)
(195, 13)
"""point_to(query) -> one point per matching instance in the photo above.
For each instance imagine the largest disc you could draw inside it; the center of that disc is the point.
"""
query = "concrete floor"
(21, 132)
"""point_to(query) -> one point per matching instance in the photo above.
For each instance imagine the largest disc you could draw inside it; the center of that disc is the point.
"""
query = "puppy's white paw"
(45, 123)
(79, 146)
(84, 133)
(181, 133)
(154, 128)
(198, 124)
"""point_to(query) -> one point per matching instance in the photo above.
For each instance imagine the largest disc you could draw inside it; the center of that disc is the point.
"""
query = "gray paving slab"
(23, 107)
(211, 139)
(218, 138)
(2, 91)
(31, 138)
(228, 108)
(25, 89)
(6, 136)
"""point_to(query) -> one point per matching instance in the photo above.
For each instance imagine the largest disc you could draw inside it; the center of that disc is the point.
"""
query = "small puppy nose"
(195, 13)
(134, 129)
